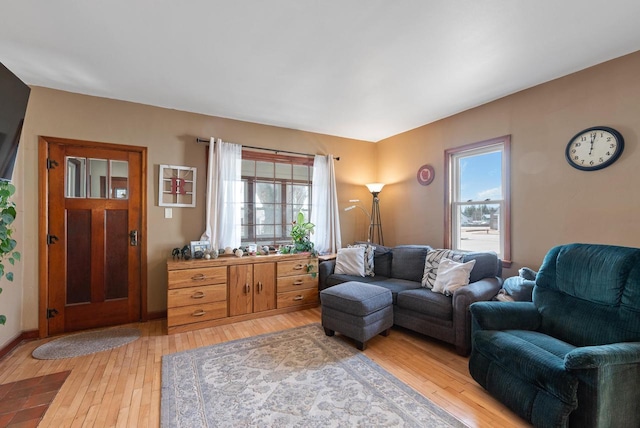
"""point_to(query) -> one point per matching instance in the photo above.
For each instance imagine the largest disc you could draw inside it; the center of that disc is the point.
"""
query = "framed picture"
(199, 246)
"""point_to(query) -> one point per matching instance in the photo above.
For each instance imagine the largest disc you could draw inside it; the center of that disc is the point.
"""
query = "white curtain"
(324, 206)
(224, 195)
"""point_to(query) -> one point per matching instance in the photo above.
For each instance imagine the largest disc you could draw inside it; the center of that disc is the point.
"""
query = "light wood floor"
(121, 387)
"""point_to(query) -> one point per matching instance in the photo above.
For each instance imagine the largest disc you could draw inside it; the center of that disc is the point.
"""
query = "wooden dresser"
(207, 293)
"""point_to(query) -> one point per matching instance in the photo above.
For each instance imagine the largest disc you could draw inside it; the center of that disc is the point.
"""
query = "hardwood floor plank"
(122, 387)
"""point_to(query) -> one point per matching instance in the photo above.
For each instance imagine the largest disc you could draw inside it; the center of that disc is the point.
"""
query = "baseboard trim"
(156, 315)
(25, 335)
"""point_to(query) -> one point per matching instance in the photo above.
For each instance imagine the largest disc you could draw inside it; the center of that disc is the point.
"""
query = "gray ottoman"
(357, 310)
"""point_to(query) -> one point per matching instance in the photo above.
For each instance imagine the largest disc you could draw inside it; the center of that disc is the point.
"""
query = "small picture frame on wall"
(199, 246)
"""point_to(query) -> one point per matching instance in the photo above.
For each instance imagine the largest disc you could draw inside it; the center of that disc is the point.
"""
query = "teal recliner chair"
(572, 356)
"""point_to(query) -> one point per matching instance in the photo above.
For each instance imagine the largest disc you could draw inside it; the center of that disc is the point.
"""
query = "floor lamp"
(376, 224)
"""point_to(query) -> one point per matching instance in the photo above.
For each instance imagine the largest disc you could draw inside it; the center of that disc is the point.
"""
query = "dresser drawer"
(297, 282)
(201, 276)
(297, 267)
(197, 295)
(297, 298)
(196, 313)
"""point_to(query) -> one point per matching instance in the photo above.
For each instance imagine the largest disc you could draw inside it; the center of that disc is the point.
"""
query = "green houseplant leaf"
(7, 243)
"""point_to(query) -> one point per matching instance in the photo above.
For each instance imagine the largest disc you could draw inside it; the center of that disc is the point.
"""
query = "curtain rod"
(203, 140)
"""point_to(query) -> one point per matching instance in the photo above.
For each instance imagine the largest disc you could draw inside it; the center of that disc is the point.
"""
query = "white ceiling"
(365, 69)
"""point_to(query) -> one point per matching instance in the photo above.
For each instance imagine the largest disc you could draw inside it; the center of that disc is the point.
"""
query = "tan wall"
(552, 203)
(170, 138)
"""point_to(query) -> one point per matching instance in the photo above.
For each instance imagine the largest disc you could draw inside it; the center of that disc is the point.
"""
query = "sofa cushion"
(408, 261)
(432, 261)
(335, 279)
(382, 257)
(395, 285)
(427, 302)
(451, 276)
(487, 265)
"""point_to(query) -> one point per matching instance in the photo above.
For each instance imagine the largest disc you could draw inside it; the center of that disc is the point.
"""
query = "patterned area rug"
(297, 377)
(90, 342)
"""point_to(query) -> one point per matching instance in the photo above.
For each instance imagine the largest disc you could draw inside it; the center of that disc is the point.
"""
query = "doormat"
(87, 343)
(297, 377)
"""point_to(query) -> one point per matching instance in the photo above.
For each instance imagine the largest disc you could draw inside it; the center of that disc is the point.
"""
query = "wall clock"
(594, 148)
(426, 174)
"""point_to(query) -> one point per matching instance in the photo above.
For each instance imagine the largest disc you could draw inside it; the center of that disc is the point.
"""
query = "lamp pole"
(375, 228)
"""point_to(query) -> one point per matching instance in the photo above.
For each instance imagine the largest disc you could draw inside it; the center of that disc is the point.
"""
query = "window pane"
(98, 178)
(119, 179)
(480, 177)
(283, 171)
(264, 170)
(478, 227)
(76, 177)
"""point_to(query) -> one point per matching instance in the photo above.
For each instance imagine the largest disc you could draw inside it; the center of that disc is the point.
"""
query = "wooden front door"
(94, 235)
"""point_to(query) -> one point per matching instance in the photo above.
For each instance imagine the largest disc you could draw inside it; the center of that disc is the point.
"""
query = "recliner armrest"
(590, 357)
(505, 316)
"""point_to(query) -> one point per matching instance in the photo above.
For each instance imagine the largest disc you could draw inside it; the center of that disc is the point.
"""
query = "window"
(477, 207)
(276, 188)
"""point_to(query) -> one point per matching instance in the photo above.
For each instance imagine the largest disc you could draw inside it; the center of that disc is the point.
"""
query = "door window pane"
(75, 177)
(119, 179)
(98, 178)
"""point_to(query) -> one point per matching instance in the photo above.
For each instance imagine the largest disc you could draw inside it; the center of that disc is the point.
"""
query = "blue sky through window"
(481, 177)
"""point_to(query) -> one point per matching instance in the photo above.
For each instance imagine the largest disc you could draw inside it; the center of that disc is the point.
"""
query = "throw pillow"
(369, 252)
(350, 261)
(452, 275)
(432, 261)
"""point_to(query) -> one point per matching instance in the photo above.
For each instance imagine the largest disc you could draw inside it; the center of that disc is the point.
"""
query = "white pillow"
(452, 275)
(432, 261)
(350, 261)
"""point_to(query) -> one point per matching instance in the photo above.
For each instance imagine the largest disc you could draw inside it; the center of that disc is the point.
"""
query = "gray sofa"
(400, 270)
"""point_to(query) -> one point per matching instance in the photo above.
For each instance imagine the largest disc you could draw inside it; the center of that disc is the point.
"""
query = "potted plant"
(300, 231)
(7, 243)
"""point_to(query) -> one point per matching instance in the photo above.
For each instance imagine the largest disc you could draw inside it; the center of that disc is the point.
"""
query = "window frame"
(450, 188)
(252, 181)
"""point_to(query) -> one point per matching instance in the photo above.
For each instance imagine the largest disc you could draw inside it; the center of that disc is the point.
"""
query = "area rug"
(293, 378)
(90, 342)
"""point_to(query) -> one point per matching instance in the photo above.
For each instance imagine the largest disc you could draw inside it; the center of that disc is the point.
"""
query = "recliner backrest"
(589, 294)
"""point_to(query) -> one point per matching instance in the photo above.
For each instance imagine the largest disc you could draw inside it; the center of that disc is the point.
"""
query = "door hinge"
(51, 239)
(51, 313)
(51, 163)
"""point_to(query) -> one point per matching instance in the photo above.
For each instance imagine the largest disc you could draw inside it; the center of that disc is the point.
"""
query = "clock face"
(594, 148)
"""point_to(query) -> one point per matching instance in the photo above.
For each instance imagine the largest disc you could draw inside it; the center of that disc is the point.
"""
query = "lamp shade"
(375, 187)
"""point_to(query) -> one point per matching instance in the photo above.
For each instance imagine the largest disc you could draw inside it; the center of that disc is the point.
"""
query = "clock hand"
(592, 138)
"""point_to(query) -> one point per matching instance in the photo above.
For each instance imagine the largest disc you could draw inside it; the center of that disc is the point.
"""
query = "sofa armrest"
(478, 291)
(324, 270)
(590, 357)
(505, 316)
(483, 289)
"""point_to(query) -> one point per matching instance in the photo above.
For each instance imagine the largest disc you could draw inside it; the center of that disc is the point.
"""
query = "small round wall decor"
(426, 174)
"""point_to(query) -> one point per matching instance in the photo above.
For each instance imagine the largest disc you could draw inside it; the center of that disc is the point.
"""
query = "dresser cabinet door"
(240, 289)
(264, 287)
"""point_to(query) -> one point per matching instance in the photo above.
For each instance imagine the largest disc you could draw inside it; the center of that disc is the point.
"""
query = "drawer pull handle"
(198, 313)
(298, 282)
(260, 287)
(247, 288)
(298, 267)
(298, 298)
(198, 295)
(199, 277)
